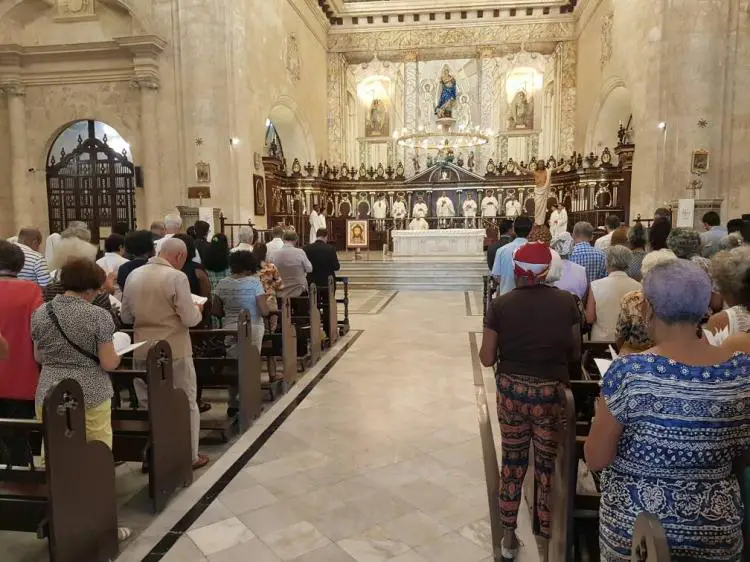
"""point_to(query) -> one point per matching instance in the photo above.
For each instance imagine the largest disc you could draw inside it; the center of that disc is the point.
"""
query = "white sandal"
(123, 534)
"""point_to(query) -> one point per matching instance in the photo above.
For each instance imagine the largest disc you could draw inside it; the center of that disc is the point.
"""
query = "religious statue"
(513, 208)
(470, 211)
(489, 205)
(558, 220)
(379, 212)
(446, 154)
(420, 208)
(470, 162)
(415, 162)
(447, 93)
(542, 178)
(376, 124)
(419, 223)
(445, 211)
(521, 112)
(430, 161)
(398, 212)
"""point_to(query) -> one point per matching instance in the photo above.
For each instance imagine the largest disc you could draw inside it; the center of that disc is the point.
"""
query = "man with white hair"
(245, 235)
(172, 226)
(157, 301)
(34, 266)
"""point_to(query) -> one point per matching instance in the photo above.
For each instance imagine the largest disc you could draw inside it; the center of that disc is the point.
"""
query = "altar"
(451, 244)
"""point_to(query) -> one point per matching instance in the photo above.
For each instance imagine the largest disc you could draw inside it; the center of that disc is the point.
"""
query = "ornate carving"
(565, 53)
(71, 10)
(337, 66)
(12, 90)
(411, 39)
(293, 60)
(145, 83)
(606, 39)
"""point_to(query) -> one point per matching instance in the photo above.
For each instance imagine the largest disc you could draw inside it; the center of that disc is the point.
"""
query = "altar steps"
(411, 276)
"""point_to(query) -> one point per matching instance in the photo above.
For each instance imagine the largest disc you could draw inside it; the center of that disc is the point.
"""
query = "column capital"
(145, 83)
(11, 90)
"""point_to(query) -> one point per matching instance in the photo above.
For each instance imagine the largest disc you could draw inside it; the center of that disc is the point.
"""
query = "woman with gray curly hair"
(603, 303)
(686, 244)
(731, 272)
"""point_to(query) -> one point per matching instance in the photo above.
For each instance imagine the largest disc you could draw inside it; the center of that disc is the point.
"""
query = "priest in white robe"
(379, 211)
(469, 208)
(489, 205)
(418, 223)
(558, 220)
(398, 212)
(317, 221)
(445, 211)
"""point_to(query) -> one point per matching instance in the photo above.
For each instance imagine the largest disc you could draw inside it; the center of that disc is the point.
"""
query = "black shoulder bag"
(56, 322)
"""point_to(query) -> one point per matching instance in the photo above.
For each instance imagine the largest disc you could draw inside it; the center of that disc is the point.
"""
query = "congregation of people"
(61, 304)
(672, 416)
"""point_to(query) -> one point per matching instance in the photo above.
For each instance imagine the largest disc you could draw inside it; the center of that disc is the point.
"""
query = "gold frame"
(350, 226)
(700, 161)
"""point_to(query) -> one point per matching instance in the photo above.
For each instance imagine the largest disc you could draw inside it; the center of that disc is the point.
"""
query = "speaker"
(138, 176)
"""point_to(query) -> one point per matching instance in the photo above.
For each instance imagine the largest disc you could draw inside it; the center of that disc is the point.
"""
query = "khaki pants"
(98, 423)
(183, 377)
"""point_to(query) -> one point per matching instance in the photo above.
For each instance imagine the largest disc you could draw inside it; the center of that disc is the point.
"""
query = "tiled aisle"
(382, 461)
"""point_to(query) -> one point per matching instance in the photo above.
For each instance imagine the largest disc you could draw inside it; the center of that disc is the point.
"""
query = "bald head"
(174, 251)
(30, 236)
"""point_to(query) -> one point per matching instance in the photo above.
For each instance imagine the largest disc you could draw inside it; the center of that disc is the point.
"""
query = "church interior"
(412, 130)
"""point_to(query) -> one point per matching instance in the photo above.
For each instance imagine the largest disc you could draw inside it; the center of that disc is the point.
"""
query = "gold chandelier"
(444, 135)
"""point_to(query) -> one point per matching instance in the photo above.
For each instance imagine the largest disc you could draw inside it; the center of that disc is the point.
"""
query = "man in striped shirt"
(34, 265)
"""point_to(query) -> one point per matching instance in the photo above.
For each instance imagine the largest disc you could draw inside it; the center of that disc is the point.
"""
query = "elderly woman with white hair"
(245, 237)
(631, 332)
(669, 426)
(564, 274)
(603, 303)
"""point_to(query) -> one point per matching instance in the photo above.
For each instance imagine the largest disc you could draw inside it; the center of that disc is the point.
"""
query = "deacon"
(420, 208)
(398, 212)
(513, 208)
(445, 211)
(317, 221)
(489, 205)
(470, 211)
(379, 212)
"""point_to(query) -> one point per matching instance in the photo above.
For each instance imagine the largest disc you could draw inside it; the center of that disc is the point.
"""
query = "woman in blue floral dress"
(671, 423)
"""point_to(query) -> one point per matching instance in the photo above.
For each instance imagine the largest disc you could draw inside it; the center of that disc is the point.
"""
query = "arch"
(293, 129)
(614, 105)
(23, 12)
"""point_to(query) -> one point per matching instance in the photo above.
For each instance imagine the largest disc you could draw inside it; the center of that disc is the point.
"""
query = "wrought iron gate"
(94, 184)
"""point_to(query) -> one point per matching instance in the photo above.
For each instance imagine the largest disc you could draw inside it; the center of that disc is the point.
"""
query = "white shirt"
(470, 208)
(604, 242)
(399, 210)
(513, 209)
(608, 293)
(419, 224)
(242, 247)
(158, 244)
(111, 262)
(273, 246)
(420, 210)
(379, 209)
(489, 206)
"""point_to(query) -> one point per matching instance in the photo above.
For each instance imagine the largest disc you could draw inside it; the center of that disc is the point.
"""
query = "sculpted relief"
(75, 9)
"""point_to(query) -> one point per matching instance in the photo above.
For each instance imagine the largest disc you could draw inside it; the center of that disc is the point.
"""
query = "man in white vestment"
(418, 223)
(490, 205)
(513, 208)
(558, 220)
(445, 211)
(317, 221)
(469, 208)
(420, 209)
(398, 212)
(379, 211)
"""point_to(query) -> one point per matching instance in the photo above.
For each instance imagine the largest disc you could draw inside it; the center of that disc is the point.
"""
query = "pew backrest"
(564, 484)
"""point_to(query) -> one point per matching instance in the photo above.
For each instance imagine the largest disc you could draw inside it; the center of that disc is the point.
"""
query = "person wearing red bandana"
(531, 335)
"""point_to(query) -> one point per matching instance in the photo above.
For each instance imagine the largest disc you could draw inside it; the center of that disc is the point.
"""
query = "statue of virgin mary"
(447, 94)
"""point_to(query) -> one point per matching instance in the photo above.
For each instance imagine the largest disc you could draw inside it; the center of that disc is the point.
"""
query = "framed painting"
(203, 172)
(357, 235)
(701, 161)
(259, 194)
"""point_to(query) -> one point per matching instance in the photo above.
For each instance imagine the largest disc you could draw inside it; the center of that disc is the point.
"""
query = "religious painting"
(259, 192)
(357, 235)
(447, 93)
(701, 162)
(203, 172)
(377, 120)
(521, 111)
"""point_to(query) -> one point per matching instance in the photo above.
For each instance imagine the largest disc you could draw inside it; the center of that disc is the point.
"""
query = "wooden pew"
(329, 313)
(214, 369)
(560, 548)
(71, 500)
(160, 436)
(306, 317)
(282, 343)
(344, 323)
(591, 350)
(649, 541)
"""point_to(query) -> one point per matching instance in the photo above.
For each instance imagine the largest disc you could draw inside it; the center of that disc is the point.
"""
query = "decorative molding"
(12, 90)
(606, 39)
(457, 36)
(145, 83)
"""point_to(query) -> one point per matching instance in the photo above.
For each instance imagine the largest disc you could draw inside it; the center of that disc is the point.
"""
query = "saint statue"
(470, 211)
(447, 94)
(445, 211)
(376, 117)
(521, 112)
(542, 178)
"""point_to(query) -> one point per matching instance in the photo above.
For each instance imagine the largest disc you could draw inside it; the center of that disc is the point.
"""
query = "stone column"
(484, 103)
(22, 200)
(149, 149)
(411, 92)
(337, 64)
(565, 54)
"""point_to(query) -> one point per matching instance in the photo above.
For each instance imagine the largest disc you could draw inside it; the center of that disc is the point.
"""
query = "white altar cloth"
(450, 244)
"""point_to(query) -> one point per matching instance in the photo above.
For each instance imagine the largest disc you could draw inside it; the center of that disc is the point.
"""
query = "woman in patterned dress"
(670, 424)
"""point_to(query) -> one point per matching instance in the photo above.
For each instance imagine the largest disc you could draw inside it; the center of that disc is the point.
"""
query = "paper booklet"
(602, 365)
(123, 344)
(197, 299)
(716, 338)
